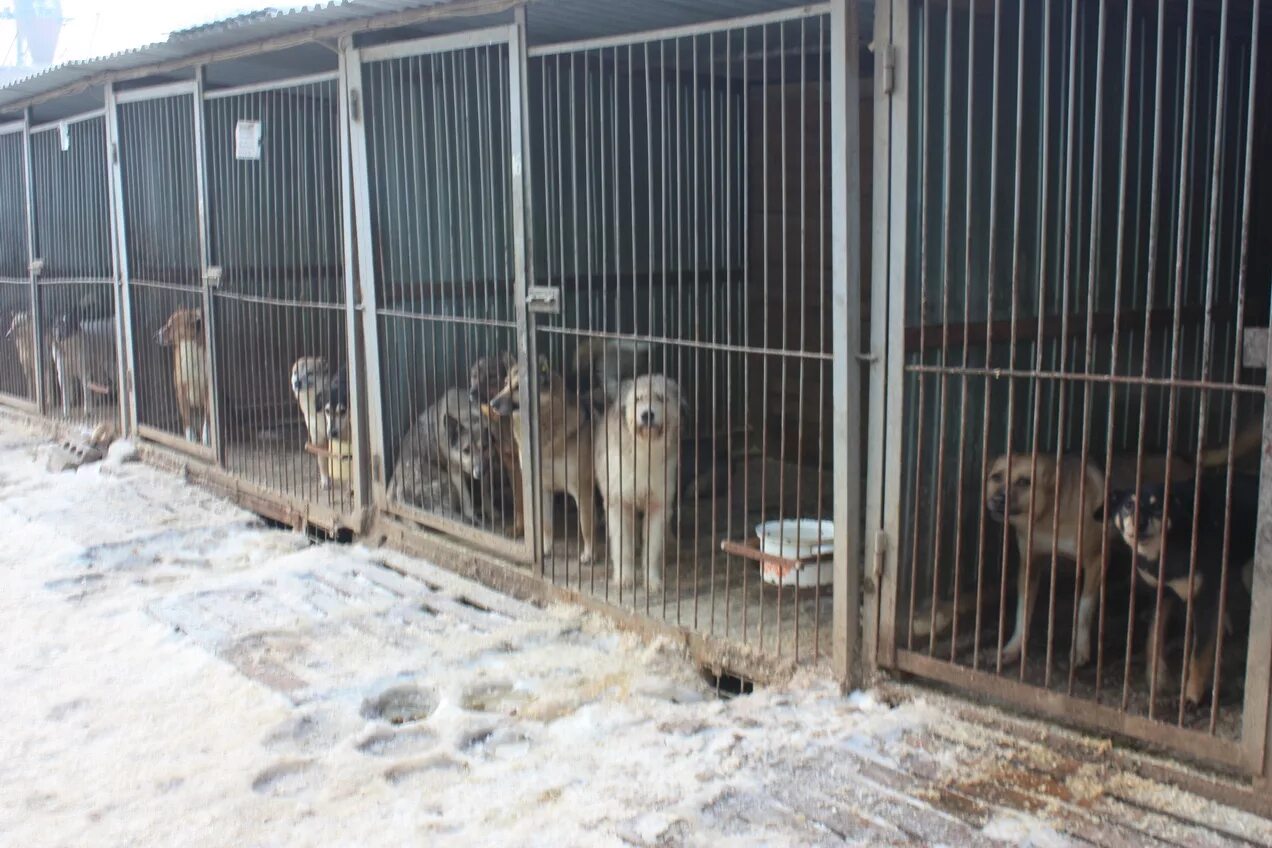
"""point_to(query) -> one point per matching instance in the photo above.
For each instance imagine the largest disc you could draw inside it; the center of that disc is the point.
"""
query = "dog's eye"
(1022, 482)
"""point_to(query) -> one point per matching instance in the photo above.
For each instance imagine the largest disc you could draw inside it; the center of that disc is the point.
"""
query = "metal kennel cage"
(436, 145)
(682, 211)
(74, 266)
(160, 207)
(1073, 273)
(19, 370)
(277, 290)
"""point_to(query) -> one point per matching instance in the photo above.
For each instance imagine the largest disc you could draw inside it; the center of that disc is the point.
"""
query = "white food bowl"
(799, 539)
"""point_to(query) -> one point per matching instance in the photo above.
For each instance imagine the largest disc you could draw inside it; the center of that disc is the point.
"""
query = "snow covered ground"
(176, 673)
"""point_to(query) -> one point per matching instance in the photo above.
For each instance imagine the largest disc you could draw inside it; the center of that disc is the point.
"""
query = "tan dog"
(1008, 496)
(190, 384)
(22, 331)
(638, 473)
(1012, 497)
(486, 379)
(565, 448)
(310, 383)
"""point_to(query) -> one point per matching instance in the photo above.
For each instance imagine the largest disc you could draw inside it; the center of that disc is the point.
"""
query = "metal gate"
(285, 395)
(1069, 289)
(159, 202)
(19, 368)
(437, 159)
(681, 185)
(74, 264)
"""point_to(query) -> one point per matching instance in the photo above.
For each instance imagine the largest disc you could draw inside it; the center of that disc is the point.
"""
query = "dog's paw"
(1011, 652)
(325, 483)
(585, 556)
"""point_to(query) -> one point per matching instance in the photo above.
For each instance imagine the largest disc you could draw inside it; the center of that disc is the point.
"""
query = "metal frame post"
(123, 277)
(845, 157)
(357, 354)
(205, 262)
(360, 250)
(887, 326)
(37, 329)
(523, 268)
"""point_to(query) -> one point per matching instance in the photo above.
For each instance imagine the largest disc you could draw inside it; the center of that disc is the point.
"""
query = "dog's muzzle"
(996, 506)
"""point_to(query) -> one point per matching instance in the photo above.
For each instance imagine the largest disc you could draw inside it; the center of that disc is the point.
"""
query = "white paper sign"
(247, 140)
(64, 135)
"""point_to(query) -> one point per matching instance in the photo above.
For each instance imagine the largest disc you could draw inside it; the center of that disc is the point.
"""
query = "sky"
(101, 27)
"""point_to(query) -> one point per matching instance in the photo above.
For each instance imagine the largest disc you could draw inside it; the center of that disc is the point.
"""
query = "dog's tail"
(1249, 439)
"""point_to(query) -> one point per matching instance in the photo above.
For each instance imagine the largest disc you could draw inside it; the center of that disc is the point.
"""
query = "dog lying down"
(1159, 529)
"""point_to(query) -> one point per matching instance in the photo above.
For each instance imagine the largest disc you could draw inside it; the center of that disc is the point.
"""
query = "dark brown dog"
(486, 379)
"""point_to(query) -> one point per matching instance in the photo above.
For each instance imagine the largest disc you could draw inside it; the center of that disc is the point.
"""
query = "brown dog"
(1079, 528)
(184, 334)
(565, 448)
(486, 379)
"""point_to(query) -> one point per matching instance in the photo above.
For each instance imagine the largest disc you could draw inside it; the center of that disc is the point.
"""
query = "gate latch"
(212, 276)
(36, 267)
(543, 299)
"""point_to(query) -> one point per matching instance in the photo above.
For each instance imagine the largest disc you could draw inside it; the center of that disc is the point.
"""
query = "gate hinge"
(355, 105)
(132, 386)
(377, 468)
(114, 153)
(880, 555)
(212, 276)
(888, 61)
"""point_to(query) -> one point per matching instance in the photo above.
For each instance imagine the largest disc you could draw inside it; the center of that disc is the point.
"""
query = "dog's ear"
(198, 320)
(451, 426)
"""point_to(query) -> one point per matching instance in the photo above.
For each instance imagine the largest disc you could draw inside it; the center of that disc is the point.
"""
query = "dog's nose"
(647, 416)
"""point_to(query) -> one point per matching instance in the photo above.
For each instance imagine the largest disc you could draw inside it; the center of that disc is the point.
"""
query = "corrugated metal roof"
(548, 21)
(236, 31)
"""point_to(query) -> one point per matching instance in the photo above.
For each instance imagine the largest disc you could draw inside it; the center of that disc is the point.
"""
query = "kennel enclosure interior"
(1077, 275)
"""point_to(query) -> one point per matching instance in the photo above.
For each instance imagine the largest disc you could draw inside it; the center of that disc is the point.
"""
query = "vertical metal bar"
(1182, 210)
(1119, 267)
(1212, 239)
(968, 276)
(213, 412)
(356, 350)
(888, 302)
(523, 258)
(845, 156)
(1081, 623)
(355, 104)
(42, 403)
(123, 315)
(1154, 224)
(942, 384)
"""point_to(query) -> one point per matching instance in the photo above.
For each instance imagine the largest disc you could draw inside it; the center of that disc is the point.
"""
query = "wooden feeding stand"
(779, 570)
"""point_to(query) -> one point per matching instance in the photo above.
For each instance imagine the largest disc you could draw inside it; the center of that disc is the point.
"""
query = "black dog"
(334, 404)
(1162, 538)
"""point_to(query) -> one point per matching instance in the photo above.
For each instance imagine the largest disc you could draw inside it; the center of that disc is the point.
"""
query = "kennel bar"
(75, 262)
(442, 277)
(19, 368)
(1113, 197)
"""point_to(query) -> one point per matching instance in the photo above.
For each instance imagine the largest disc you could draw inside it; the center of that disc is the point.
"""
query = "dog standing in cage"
(451, 435)
(1048, 504)
(310, 382)
(84, 356)
(486, 379)
(22, 332)
(565, 449)
(184, 333)
(638, 472)
(1159, 529)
